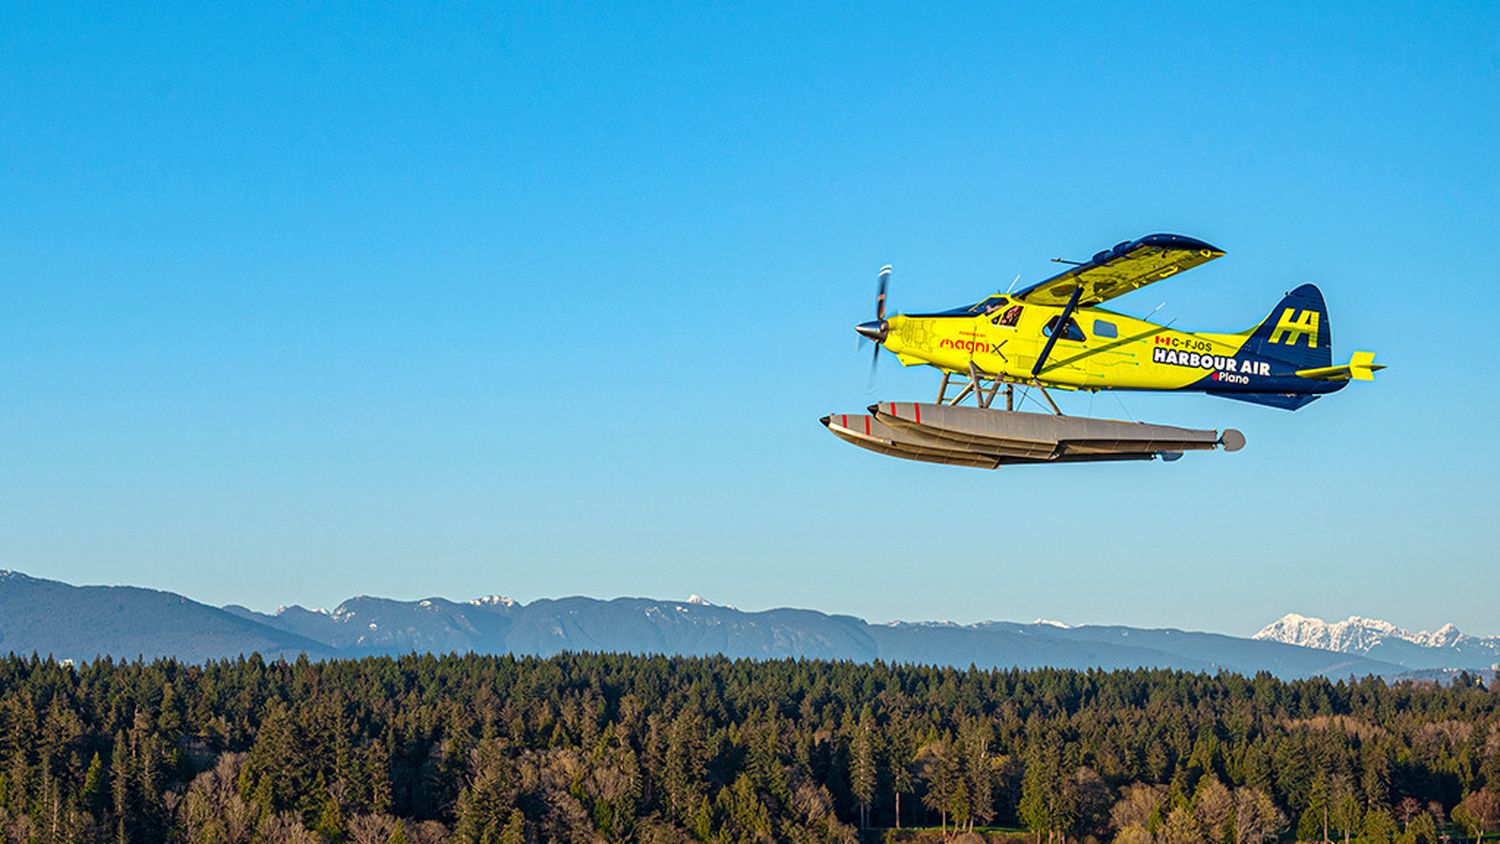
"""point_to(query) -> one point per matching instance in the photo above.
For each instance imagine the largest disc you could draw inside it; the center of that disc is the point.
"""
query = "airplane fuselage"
(1104, 350)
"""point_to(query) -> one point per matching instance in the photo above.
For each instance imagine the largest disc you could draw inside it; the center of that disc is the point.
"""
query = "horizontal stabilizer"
(1361, 367)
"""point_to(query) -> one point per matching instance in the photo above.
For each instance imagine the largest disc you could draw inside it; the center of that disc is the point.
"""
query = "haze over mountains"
(82, 622)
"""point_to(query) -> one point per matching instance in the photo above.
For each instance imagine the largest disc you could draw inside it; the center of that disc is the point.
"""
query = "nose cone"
(874, 330)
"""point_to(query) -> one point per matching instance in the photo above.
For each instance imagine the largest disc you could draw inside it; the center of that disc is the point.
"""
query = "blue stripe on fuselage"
(1282, 387)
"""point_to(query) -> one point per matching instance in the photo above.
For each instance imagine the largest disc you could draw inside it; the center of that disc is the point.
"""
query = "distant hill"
(1444, 648)
(545, 627)
(81, 622)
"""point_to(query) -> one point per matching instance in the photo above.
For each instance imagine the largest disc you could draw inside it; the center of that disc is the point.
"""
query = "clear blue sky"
(305, 301)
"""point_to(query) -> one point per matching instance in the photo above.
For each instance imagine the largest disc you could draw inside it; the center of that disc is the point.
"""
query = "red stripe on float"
(867, 426)
(918, 409)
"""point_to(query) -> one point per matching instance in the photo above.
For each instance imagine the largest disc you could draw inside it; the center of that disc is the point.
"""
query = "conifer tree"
(941, 775)
(119, 785)
(95, 794)
(899, 755)
(862, 764)
(515, 829)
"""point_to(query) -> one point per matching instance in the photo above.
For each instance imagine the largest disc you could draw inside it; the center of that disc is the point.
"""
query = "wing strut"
(1058, 329)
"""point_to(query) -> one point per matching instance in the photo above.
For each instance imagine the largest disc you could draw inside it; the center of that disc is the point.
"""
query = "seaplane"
(1054, 336)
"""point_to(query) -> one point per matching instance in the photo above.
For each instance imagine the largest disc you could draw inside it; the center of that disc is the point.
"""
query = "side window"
(1070, 332)
(1105, 329)
(1010, 317)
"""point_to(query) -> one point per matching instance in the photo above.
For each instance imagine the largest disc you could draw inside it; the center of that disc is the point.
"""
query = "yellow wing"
(1115, 272)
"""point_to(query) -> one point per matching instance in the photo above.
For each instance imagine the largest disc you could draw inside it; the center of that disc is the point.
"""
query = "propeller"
(876, 330)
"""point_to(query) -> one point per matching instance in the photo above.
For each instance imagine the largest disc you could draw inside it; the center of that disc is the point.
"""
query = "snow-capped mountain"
(493, 601)
(1445, 647)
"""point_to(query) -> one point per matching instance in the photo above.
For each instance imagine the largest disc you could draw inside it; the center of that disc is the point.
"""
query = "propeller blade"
(869, 331)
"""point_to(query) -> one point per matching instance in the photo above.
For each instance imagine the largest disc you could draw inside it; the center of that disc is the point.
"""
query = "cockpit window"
(1104, 328)
(989, 305)
(984, 307)
(1010, 317)
(1071, 332)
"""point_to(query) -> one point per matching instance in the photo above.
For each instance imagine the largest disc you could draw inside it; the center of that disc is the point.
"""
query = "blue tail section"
(1296, 336)
(1296, 332)
(1285, 401)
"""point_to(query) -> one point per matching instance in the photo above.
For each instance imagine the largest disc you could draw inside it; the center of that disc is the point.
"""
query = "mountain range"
(1446, 647)
(48, 617)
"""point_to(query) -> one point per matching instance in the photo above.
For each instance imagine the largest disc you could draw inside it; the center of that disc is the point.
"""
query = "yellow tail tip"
(1362, 366)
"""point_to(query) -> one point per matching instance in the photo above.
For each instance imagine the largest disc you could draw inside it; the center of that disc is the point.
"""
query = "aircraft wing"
(1128, 266)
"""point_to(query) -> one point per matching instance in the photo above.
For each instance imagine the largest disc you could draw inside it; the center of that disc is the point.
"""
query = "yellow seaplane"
(1053, 335)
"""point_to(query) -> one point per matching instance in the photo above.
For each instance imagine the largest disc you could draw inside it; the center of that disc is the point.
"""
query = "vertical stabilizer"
(1296, 331)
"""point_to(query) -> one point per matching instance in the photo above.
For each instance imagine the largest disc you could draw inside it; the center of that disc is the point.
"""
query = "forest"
(616, 748)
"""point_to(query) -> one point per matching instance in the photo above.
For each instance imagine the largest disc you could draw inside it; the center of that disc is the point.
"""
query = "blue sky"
(308, 301)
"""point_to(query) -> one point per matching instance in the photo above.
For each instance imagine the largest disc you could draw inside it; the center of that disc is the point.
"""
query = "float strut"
(1048, 396)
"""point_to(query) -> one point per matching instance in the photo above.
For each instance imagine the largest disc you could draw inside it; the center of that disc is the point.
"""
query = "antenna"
(1013, 284)
(1066, 261)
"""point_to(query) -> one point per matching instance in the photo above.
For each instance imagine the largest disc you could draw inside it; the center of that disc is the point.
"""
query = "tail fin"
(1296, 332)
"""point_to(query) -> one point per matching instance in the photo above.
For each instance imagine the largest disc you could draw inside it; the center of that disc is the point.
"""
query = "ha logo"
(1293, 330)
